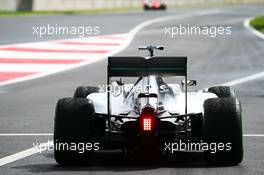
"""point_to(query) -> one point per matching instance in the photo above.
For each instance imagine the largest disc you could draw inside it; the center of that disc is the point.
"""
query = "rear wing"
(140, 66)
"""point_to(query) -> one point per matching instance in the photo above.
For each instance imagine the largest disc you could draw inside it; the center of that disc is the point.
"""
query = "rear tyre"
(73, 131)
(84, 91)
(163, 7)
(146, 7)
(223, 130)
(222, 91)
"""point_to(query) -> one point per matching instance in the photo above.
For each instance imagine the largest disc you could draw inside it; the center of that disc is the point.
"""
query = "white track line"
(253, 76)
(140, 26)
(252, 30)
(31, 55)
(5, 67)
(243, 80)
(26, 134)
(88, 39)
(253, 135)
(23, 154)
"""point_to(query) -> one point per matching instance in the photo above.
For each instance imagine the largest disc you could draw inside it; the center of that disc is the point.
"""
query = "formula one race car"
(153, 5)
(145, 111)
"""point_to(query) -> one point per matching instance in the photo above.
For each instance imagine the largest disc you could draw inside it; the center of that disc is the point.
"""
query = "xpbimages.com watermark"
(116, 89)
(211, 31)
(55, 29)
(80, 147)
(172, 147)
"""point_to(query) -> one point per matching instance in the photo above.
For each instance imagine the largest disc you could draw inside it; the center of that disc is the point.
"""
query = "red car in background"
(153, 5)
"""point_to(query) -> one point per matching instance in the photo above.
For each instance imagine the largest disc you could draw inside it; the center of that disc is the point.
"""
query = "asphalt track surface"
(28, 107)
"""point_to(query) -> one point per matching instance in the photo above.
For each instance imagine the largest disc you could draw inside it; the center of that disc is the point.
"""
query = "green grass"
(258, 23)
(92, 11)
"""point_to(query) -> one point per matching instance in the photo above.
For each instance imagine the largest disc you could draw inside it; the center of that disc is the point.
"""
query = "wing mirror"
(189, 82)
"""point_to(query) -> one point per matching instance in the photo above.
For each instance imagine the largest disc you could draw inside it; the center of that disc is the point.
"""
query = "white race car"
(149, 113)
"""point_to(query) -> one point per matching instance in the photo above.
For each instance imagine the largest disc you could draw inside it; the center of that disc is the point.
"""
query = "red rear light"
(147, 124)
(147, 119)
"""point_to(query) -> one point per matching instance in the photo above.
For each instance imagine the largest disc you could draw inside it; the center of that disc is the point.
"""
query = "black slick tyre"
(73, 129)
(84, 91)
(222, 91)
(222, 128)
